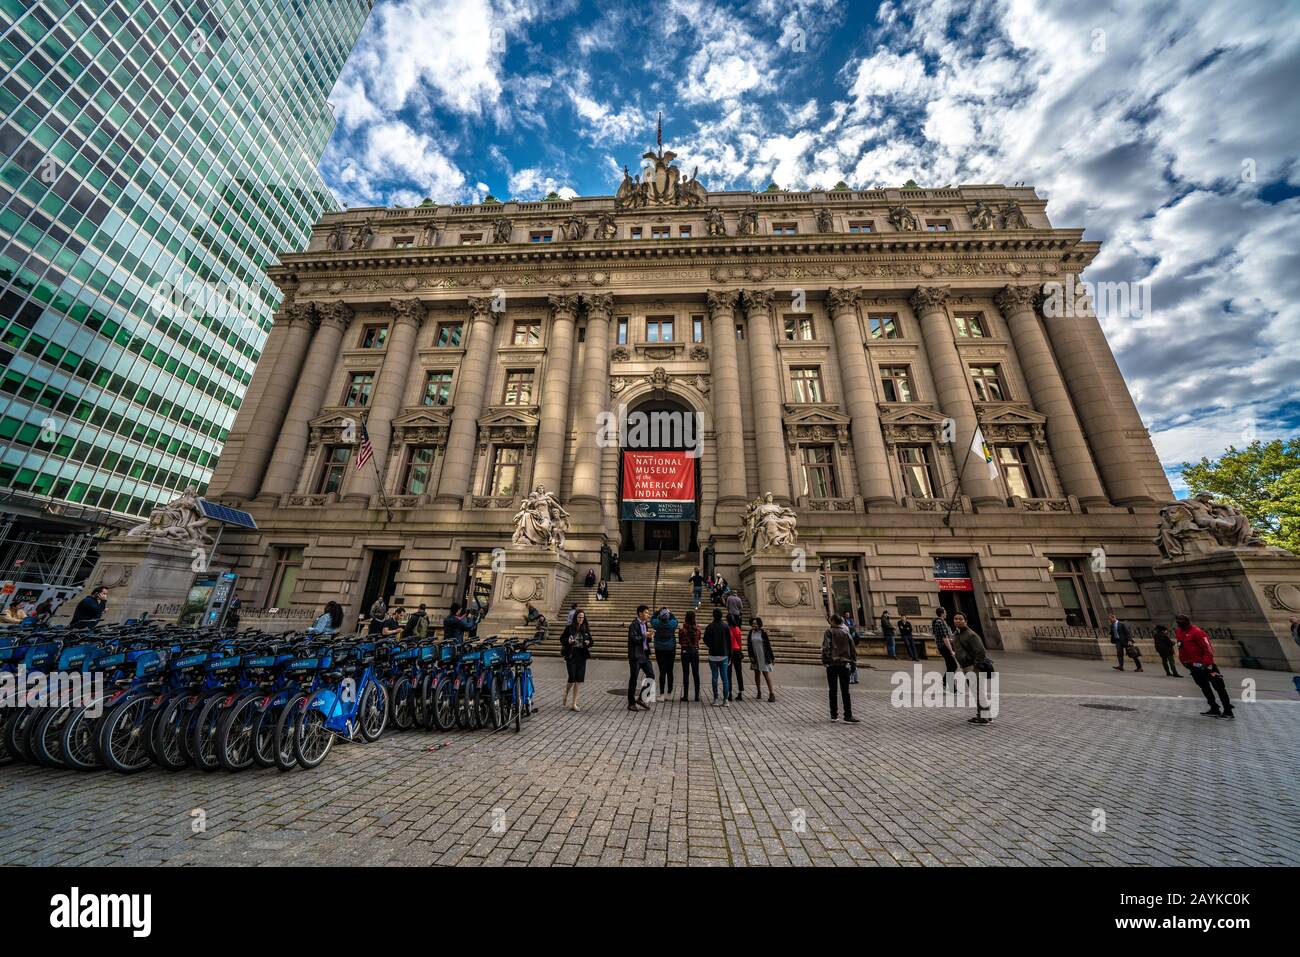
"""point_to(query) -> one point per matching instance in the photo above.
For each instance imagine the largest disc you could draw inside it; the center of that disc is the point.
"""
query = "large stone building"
(837, 349)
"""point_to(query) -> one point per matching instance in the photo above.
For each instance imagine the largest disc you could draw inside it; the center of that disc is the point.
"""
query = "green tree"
(1263, 480)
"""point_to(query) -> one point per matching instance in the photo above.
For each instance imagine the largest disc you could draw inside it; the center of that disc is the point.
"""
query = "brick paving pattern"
(755, 784)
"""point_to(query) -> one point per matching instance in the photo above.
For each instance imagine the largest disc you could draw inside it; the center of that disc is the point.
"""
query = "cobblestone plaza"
(754, 784)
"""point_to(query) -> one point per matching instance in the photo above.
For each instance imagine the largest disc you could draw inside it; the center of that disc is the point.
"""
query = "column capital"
(721, 300)
(758, 300)
(842, 299)
(598, 303)
(480, 307)
(337, 313)
(301, 314)
(410, 311)
(1013, 299)
(563, 304)
(929, 298)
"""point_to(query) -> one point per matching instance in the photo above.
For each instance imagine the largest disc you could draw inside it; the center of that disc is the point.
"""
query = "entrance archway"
(660, 422)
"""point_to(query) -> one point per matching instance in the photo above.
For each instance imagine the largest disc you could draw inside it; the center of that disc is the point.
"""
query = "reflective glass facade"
(154, 160)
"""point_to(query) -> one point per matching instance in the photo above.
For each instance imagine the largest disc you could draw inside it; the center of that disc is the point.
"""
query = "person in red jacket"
(1196, 652)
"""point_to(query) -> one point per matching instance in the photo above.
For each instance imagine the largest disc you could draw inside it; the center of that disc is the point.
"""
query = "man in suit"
(638, 656)
(1119, 636)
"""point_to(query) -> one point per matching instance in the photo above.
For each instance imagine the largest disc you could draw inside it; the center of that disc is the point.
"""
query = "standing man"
(943, 644)
(665, 632)
(905, 632)
(90, 609)
(973, 657)
(887, 632)
(1196, 652)
(697, 586)
(615, 570)
(717, 638)
(1165, 649)
(838, 655)
(453, 626)
(734, 606)
(638, 656)
(1120, 637)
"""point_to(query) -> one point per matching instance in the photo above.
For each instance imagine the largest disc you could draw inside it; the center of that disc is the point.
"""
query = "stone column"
(952, 382)
(869, 453)
(1050, 397)
(554, 426)
(764, 367)
(299, 324)
(467, 404)
(593, 399)
(1097, 409)
(386, 401)
(308, 396)
(728, 424)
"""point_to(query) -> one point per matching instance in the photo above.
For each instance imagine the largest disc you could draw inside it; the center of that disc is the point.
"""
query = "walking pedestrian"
(90, 609)
(737, 661)
(905, 632)
(761, 658)
(665, 629)
(734, 607)
(575, 647)
(329, 622)
(838, 654)
(1166, 649)
(1196, 652)
(638, 656)
(615, 569)
(717, 638)
(1122, 640)
(573, 612)
(689, 637)
(697, 586)
(973, 657)
(943, 644)
(887, 632)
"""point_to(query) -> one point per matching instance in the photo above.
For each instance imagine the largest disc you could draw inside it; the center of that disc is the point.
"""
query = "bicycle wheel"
(235, 734)
(529, 706)
(311, 739)
(285, 732)
(47, 737)
(15, 733)
(467, 707)
(443, 711)
(404, 696)
(372, 711)
(419, 704)
(203, 733)
(121, 739)
(167, 749)
(483, 696)
(495, 712)
(264, 736)
(77, 742)
(517, 701)
(6, 756)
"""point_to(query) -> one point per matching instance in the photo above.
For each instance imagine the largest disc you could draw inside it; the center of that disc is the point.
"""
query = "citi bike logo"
(77, 910)
(57, 689)
(920, 689)
(648, 430)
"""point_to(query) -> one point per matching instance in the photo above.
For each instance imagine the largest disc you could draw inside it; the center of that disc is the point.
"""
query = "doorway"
(660, 423)
(381, 581)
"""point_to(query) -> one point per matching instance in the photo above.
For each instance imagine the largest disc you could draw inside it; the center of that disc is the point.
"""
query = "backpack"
(422, 626)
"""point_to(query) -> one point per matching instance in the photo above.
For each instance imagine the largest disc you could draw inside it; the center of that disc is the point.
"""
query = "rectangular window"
(896, 382)
(359, 386)
(437, 388)
(374, 337)
(883, 326)
(970, 325)
(539, 236)
(684, 232)
(1072, 589)
(784, 229)
(284, 577)
(505, 470)
(697, 328)
(447, 334)
(938, 225)
(658, 330)
(527, 334)
(862, 226)
(403, 242)
(798, 328)
(634, 232)
(622, 330)
(914, 464)
(660, 232)
(519, 387)
(988, 383)
(419, 470)
(471, 239)
(806, 383)
(740, 332)
(336, 465)
(818, 467)
(1013, 460)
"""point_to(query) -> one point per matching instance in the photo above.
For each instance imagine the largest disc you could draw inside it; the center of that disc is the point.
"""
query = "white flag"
(984, 451)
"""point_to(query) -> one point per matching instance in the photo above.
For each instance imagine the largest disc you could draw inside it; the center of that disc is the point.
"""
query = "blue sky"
(1168, 129)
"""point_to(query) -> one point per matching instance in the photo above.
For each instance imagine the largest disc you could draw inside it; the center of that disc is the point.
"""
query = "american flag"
(366, 450)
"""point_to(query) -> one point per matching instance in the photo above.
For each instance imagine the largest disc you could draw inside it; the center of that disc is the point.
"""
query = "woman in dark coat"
(575, 646)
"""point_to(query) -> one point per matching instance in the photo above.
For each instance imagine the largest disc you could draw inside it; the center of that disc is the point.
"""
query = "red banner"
(659, 485)
(955, 584)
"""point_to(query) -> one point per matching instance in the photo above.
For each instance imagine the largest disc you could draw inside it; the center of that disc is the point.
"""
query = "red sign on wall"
(955, 584)
(658, 486)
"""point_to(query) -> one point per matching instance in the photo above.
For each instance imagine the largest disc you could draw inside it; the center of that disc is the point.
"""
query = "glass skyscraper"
(155, 157)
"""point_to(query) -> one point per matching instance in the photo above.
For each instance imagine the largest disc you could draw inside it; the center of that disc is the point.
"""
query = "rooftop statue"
(660, 184)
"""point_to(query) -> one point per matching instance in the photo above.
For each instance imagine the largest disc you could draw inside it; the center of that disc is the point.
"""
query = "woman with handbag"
(575, 646)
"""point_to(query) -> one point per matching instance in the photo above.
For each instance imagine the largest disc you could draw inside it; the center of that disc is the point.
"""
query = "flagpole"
(374, 460)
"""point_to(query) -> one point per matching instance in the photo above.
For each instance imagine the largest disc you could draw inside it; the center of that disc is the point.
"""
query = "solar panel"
(226, 515)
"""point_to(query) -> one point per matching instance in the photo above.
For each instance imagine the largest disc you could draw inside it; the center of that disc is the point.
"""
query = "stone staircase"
(609, 619)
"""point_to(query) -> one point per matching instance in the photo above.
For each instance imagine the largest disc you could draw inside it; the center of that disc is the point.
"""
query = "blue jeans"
(696, 592)
(720, 668)
(889, 644)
